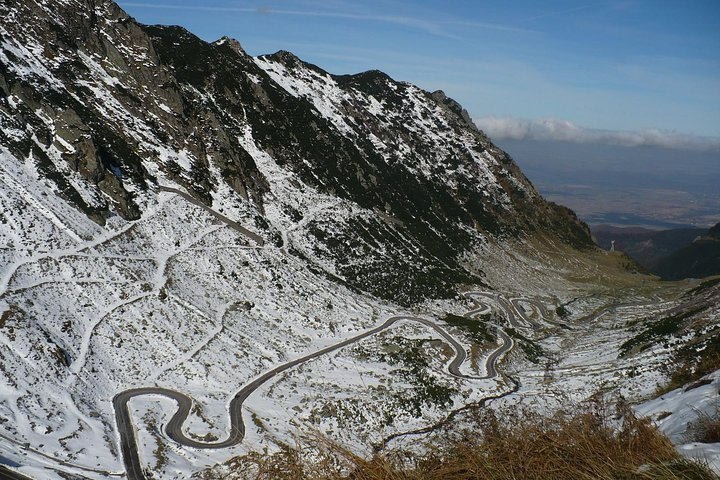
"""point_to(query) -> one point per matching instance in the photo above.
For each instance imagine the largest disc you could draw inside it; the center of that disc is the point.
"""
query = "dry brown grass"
(588, 443)
(706, 429)
(687, 370)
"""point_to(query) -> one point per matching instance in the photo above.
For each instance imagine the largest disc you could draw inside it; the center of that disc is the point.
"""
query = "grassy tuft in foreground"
(592, 443)
(687, 369)
(706, 429)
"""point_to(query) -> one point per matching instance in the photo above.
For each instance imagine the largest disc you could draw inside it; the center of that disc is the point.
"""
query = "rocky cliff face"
(87, 98)
(109, 109)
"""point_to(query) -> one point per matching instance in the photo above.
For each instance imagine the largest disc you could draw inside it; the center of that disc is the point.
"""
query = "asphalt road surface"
(230, 223)
(7, 474)
(173, 429)
(544, 312)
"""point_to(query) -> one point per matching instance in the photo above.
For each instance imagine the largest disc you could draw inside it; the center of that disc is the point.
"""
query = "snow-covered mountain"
(108, 110)
(181, 215)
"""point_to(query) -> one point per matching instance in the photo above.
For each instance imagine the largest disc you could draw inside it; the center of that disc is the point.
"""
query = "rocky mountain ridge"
(699, 259)
(109, 109)
(671, 254)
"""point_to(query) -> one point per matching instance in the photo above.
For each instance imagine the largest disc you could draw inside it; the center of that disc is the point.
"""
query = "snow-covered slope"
(682, 413)
(179, 299)
(134, 160)
(109, 109)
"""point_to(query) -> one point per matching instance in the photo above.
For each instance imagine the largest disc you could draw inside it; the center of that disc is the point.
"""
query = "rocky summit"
(258, 248)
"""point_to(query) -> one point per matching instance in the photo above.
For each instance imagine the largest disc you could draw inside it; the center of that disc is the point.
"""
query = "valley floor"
(242, 348)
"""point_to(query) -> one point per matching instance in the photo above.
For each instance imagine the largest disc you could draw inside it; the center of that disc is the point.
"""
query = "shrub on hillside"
(591, 442)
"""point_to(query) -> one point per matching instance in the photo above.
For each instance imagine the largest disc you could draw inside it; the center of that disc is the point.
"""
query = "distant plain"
(645, 186)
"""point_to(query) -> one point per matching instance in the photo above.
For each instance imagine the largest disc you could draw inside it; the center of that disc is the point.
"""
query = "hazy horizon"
(633, 186)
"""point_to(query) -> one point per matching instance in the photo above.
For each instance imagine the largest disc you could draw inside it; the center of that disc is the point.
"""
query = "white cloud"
(564, 131)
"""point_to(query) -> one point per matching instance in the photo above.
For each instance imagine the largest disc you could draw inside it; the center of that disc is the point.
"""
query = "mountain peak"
(230, 42)
(714, 232)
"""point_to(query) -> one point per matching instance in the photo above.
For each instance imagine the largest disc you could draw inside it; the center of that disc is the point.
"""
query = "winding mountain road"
(490, 367)
(542, 309)
(495, 355)
(503, 303)
(173, 429)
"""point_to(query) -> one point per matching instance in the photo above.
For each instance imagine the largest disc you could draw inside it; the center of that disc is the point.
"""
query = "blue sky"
(615, 65)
